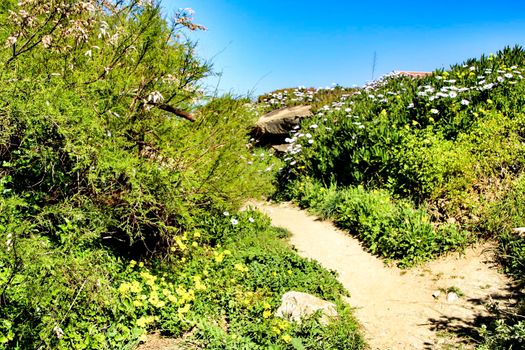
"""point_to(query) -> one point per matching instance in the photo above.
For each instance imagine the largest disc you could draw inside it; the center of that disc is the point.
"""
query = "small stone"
(452, 297)
(436, 294)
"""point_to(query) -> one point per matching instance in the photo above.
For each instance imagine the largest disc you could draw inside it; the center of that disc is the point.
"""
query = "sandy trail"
(396, 307)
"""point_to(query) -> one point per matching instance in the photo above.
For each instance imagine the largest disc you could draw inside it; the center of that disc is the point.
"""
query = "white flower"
(410, 106)
(155, 97)
(58, 332)
(508, 75)
(434, 111)
(11, 40)
(310, 141)
(314, 126)
(46, 41)
(488, 86)
(453, 94)
(250, 219)
(465, 102)
(234, 221)
(308, 136)
(226, 213)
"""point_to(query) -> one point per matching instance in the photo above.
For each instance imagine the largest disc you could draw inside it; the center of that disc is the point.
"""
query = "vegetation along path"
(401, 309)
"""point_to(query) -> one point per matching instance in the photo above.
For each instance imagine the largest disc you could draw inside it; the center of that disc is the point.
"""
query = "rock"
(281, 148)
(295, 306)
(452, 297)
(519, 230)
(281, 121)
(436, 294)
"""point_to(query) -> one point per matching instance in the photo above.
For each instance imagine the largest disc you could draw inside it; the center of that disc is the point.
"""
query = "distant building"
(412, 74)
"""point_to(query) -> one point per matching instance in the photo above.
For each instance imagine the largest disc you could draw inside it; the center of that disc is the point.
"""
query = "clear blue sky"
(260, 46)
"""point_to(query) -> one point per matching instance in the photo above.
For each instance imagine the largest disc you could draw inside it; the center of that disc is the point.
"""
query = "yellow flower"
(138, 303)
(286, 338)
(196, 234)
(144, 321)
(141, 264)
(182, 310)
(135, 287)
(123, 288)
(241, 268)
(181, 245)
(219, 257)
(267, 313)
(195, 244)
(132, 263)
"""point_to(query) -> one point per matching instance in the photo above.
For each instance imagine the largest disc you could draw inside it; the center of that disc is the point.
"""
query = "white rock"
(452, 297)
(295, 306)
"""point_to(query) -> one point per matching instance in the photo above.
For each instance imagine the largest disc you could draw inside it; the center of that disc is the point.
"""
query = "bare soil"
(402, 309)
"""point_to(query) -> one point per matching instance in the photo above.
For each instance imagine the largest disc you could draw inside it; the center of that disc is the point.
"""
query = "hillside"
(417, 167)
(121, 184)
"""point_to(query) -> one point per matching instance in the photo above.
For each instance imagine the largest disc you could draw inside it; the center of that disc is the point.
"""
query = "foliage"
(111, 202)
(392, 229)
(410, 164)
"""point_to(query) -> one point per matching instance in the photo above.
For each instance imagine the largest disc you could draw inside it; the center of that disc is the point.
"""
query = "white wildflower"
(234, 221)
(250, 219)
(46, 41)
(155, 97)
(434, 111)
(465, 102)
(226, 213)
(11, 40)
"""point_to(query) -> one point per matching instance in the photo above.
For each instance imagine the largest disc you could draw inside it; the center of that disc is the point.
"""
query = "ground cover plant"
(115, 180)
(418, 166)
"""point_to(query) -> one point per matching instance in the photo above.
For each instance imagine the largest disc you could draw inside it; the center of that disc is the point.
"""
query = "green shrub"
(390, 228)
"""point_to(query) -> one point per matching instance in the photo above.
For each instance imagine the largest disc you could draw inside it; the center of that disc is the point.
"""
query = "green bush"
(390, 228)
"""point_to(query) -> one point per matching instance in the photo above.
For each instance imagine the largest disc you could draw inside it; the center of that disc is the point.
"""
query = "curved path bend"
(401, 309)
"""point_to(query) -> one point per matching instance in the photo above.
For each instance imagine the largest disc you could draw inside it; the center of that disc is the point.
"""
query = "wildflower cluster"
(302, 95)
(159, 298)
(407, 101)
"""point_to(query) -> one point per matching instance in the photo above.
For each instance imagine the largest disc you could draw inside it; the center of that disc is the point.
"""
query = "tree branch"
(176, 111)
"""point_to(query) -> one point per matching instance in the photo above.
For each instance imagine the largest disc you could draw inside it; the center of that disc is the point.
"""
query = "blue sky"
(260, 46)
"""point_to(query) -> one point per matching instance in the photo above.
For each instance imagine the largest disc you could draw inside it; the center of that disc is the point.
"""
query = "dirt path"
(399, 309)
